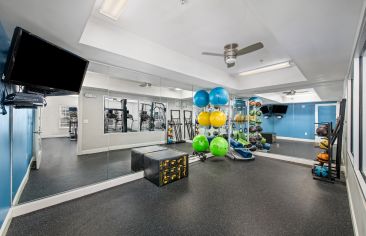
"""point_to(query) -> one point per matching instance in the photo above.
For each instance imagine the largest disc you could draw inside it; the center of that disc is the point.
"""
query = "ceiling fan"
(293, 92)
(231, 51)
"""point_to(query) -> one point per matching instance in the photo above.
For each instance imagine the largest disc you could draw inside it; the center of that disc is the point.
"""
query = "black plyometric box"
(137, 156)
(163, 167)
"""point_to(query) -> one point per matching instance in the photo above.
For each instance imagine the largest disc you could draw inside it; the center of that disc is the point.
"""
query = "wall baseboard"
(118, 147)
(286, 158)
(55, 136)
(23, 183)
(73, 194)
(352, 211)
(296, 139)
(5, 226)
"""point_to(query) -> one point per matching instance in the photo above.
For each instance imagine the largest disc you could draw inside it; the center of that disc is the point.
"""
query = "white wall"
(51, 116)
(91, 122)
(356, 185)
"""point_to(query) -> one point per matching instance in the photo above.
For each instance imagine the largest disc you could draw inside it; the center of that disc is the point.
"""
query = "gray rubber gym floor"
(304, 150)
(220, 197)
(62, 170)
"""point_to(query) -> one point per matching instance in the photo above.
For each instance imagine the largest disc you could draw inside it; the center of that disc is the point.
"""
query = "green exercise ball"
(219, 146)
(200, 143)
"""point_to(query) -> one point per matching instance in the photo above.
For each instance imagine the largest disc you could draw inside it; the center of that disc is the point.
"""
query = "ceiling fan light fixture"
(273, 67)
(112, 8)
(230, 59)
(145, 85)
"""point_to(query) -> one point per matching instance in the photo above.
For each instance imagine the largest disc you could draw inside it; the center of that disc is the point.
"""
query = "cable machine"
(73, 123)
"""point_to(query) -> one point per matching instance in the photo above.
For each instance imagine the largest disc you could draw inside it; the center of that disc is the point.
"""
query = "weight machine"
(73, 123)
(152, 116)
(115, 120)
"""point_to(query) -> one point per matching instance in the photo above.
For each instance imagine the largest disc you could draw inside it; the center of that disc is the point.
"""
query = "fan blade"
(212, 54)
(230, 65)
(250, 49)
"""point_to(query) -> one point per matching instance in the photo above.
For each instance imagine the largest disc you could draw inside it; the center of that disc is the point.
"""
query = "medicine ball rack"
(334, 166)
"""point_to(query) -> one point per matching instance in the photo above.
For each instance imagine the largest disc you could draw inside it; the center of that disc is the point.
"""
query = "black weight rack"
(176, 124)
(188, 124)
(334, 164)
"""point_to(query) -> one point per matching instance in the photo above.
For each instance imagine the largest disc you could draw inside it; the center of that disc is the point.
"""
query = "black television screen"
(38, 64)
(279, 109)
(265, 109)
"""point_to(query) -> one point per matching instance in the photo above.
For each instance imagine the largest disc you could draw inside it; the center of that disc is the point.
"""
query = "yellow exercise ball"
(204, 118)
(217, 118)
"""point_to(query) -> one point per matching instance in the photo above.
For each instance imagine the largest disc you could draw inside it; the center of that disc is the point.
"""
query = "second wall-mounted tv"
(38, 64)
(279, 109)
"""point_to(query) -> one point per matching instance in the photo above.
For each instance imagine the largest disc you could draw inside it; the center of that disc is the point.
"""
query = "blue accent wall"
(5, 199)
(298, 121)
(327, 114)
(5, 160)
(4, 47)
(22, 145)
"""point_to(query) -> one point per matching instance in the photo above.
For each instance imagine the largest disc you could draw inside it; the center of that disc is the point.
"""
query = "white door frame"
(317, 138)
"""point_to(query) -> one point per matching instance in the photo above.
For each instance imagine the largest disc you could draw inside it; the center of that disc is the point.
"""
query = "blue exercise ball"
(201, 98)
(219, 96)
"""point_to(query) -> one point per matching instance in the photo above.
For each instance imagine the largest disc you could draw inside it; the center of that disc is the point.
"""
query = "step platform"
(137, 156)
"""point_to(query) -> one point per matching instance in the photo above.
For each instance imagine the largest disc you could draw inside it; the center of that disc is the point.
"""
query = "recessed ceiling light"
(145, 85)
(267, 68)
(112, 8)
(178, 89)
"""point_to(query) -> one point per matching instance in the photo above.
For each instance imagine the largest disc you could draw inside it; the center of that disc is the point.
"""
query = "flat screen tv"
(42, 66)
(279, 109)
(265, 109)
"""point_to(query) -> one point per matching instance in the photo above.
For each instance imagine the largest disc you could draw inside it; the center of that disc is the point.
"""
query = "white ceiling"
(301, 96)
(204, 25)
(318, 36)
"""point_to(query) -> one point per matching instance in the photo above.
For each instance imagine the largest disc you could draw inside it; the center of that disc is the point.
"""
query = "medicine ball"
(252, 129)
(201, 98)
(267, 146)
(323, 157)
(258, 104)
(219, 96)
(259, 113)
(252, 112)
(252, 103)
(253, 148)
(259, 128)
(322, 130)
(252, 140)
(263, 140)
(324, 144)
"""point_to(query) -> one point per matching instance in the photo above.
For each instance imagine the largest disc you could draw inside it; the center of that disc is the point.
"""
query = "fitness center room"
(182, 117)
